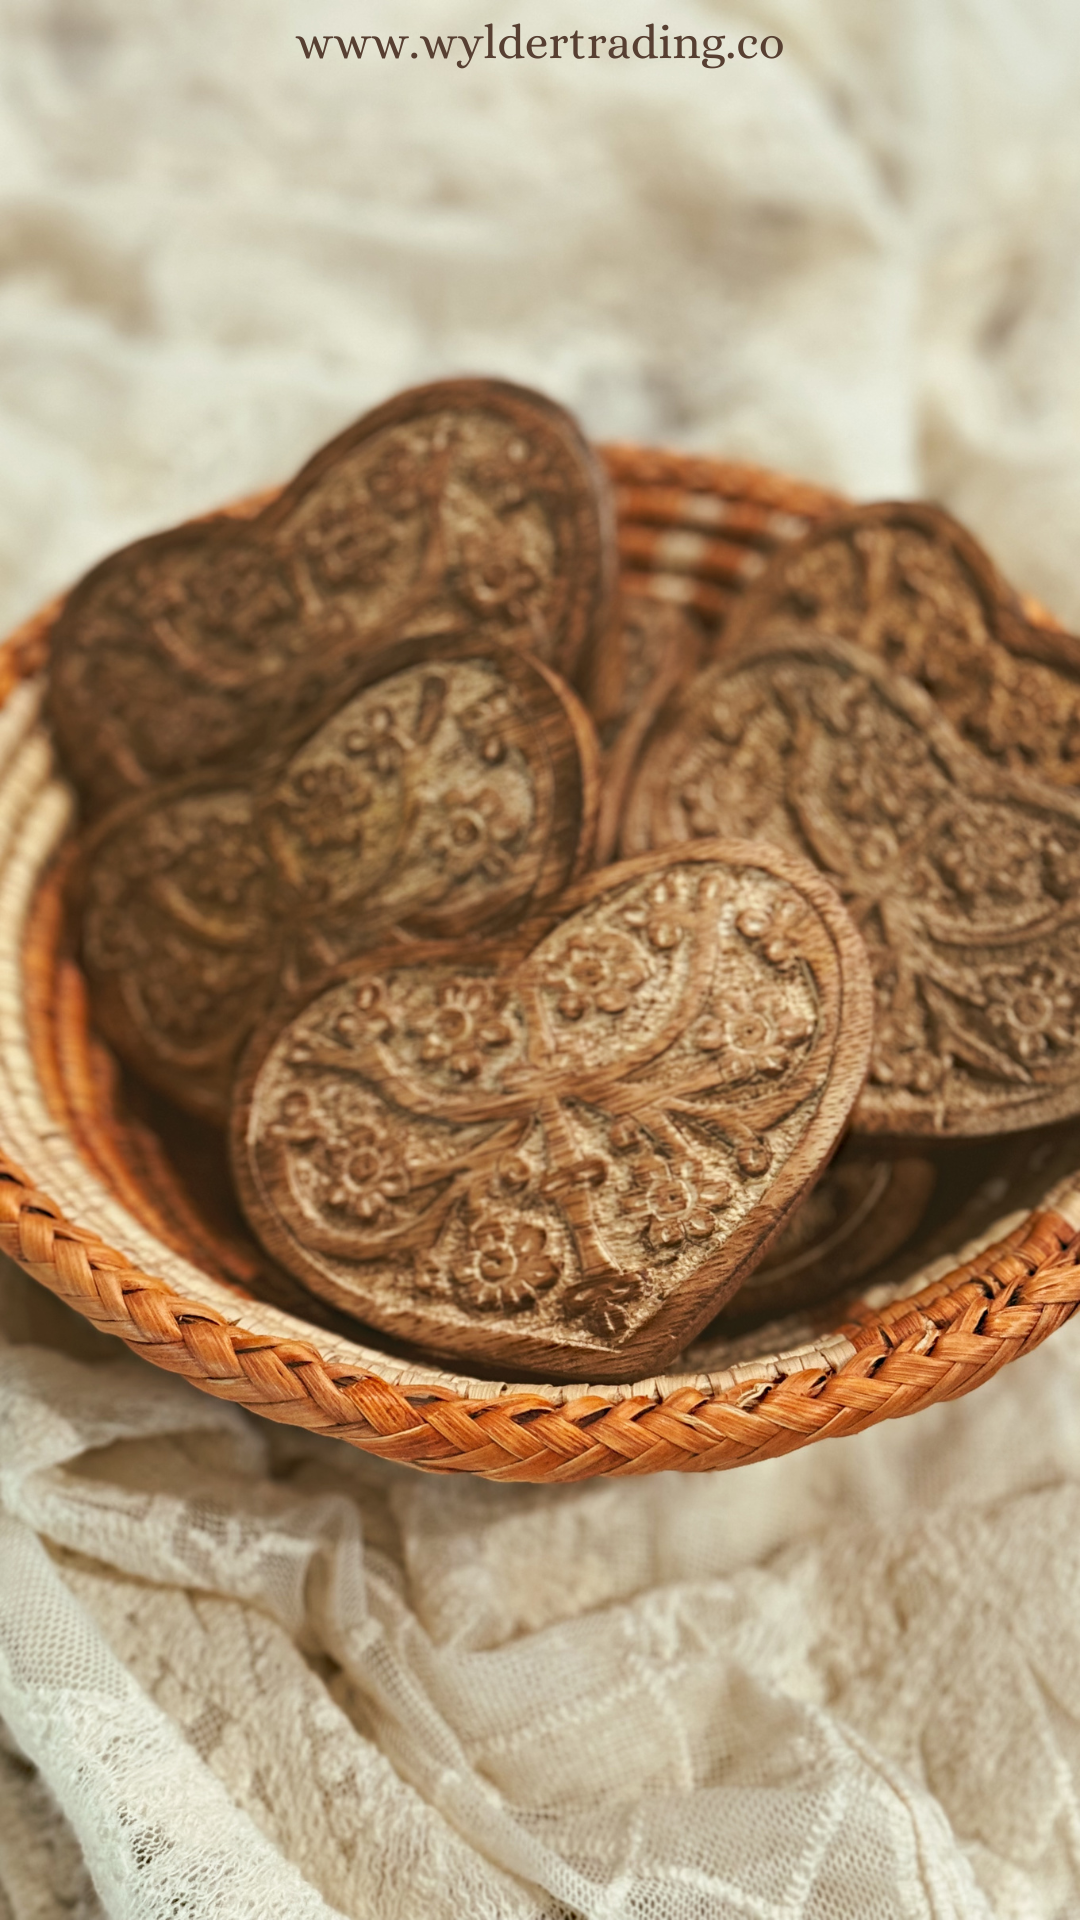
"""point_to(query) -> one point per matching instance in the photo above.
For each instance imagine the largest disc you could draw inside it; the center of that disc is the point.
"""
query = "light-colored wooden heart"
(963, 878)
(454, 790)
(468, 508)
(559, 1159)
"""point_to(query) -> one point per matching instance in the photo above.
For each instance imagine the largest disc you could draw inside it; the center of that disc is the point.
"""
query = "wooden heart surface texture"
(963, 878)
(650, 651)
(558, 1161)
(864, 1207)
(466, 508)
(910, 585)
(453, 790)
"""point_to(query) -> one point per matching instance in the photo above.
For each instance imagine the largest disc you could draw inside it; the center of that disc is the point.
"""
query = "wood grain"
(560, 1157)
(963, 877)
(470, 507)
(452, 791)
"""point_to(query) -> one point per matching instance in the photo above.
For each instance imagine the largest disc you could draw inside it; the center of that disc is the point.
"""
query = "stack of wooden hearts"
(537, 945)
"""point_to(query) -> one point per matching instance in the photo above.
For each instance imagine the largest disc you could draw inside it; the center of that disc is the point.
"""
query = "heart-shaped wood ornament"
(864, 1208)
(963, 878)
(452, 791)
(649, 652)
(470, 507)
(909, 584)
(560, 1159)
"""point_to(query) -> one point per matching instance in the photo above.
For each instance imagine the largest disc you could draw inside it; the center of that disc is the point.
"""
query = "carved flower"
(323, 805)
(679, 1202)
(368, 1018)
(508, 1265)
(241, 592)
(473, 835)
(754, 1034)
(658, 917)
(985, 853)
(599, 974)
(493, 576)
(366, 1174)
(379, 740)
(346, 544)
(363, 1174)
(1034, 1010)
(214, 859)
(776, 932)
(465, 1023)
(901, 1057)
(486, 724)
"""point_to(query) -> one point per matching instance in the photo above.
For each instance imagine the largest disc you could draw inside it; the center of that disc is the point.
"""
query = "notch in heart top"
(907, 583)
(963, 877)
(453, 790)
(471, 507)
(559, 1159)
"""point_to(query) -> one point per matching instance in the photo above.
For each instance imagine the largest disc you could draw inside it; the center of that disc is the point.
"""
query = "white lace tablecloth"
(248, 1673)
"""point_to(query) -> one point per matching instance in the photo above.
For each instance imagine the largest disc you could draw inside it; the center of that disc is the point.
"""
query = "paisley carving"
(560, 1155)
(963, 878)
(910, 585)
(468, 508)
(451, 792)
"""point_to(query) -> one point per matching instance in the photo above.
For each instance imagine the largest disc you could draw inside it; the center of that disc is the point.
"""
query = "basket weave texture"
(692, 531)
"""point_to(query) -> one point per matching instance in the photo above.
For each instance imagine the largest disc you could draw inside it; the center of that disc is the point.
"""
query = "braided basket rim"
(969, 1317)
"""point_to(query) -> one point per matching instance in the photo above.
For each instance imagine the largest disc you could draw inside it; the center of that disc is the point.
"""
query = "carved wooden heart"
(466, 508)
(453, 790)
(909, 584)
(963, 878)
(649, 651)
(866, 1205)
(560, 1160)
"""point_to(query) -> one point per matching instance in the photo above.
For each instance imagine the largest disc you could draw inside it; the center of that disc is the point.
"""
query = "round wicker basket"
(90, 1206)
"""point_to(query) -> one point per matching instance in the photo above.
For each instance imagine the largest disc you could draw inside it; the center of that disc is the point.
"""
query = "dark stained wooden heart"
(907, 583)
(649, 651)
(963, 877)
(866, 1206)
(452, 791)
(559, 1158)
(470, 507)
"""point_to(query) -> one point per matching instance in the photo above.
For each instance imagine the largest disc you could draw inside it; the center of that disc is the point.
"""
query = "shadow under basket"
(118, 1208)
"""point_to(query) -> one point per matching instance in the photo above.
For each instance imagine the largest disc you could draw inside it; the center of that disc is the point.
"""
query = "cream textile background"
(244, 1673)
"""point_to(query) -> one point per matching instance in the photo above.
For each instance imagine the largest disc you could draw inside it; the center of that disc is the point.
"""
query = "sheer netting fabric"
(246, 1673)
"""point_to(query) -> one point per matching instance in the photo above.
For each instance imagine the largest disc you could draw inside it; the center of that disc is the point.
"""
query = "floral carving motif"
(507, 1267)
(465, 1024)
(471, 505)
(678, 1202)
(361, 1175)
(756, 1034)
(568, 1188)
(595, 974)
(1034, 1010)
(474, 834)
(965, 882)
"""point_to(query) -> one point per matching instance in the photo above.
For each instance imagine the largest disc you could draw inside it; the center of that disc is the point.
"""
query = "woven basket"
(92, 1208)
